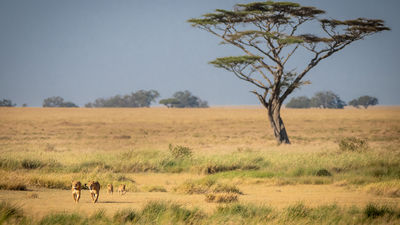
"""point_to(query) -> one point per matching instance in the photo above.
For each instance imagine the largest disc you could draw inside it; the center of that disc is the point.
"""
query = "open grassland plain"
(200, 166)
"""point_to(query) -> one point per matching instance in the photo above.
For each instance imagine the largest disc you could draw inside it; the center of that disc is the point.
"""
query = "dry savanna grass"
(347, 157)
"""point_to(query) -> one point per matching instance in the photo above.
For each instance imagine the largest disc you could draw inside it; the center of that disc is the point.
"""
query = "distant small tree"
(24, 105)
(327, 99)
(57, 101)
(364, 101)
(184, 99)
(7, 103)
(299, 102)
(169, 102)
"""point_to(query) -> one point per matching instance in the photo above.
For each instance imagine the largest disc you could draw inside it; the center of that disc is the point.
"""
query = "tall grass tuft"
(62, 219)
(10, 214)
(298, 210)
(373, 211)
(153, 211)
(13, 185)
(99, 217)
(125, 216)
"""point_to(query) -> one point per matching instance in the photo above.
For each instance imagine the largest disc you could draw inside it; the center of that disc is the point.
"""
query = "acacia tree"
(269, 33)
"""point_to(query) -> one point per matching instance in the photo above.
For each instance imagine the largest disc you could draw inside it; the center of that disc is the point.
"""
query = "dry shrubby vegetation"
(217, 153)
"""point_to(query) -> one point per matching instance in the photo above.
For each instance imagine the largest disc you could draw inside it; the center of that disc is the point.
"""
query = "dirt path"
(50, 200)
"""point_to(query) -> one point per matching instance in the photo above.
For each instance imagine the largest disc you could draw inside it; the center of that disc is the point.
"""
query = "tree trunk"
(274, 116)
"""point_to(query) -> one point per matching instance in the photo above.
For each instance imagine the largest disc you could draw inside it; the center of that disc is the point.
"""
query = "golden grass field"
(44, 149)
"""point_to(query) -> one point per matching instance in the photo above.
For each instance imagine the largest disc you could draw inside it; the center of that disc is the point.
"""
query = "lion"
(94, 188)
(76, 190)
(110, 189)
(122, 189)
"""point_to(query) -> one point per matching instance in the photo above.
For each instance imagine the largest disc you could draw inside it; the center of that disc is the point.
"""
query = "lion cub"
(94, 188)
(76, 190)
(110, 189)
(122, 189)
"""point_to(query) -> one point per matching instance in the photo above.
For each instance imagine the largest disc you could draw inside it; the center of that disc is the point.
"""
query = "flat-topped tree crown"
(270, 33)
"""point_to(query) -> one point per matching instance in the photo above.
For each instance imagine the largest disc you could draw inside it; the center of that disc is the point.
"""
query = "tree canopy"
(184, 99)
(327, 100)
(364, 101)
(269, 34)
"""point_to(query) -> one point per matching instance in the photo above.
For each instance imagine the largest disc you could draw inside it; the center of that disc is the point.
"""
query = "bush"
(226, 188)
(180, 152)
(373, 211)
(191, 187)
(353, 144)
(31, 164)
(221, 197)
(323, 173)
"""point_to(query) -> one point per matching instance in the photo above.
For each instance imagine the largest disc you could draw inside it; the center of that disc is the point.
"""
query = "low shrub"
(353, 144)
(227, 188)
(179, 152)
(191, 187)
(221, 197)
(323, 173)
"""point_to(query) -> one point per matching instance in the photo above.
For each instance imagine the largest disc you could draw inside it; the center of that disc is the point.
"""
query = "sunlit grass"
(205, 151)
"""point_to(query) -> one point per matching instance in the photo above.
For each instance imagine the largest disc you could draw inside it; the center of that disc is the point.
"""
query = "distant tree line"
(184, 99)
(329, 100)
(140, 98)
(7, 103)
(143, 98)
(57, 101)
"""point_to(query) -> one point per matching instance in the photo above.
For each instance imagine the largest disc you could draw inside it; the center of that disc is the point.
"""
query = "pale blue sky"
(85, 49)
